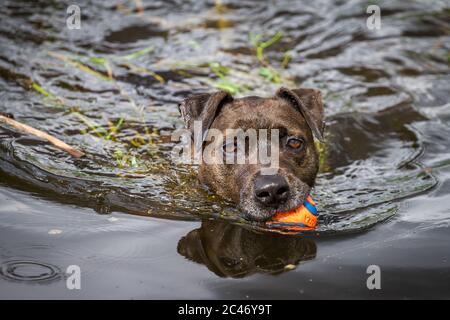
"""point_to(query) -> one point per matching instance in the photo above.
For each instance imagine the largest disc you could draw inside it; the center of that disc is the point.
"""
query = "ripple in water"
(29, 271)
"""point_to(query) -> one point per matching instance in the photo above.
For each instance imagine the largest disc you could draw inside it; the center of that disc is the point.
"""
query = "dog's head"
(297, 116)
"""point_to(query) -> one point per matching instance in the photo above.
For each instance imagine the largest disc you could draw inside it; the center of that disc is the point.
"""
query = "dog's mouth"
(267, 214)
(302, 217)
(305, 214)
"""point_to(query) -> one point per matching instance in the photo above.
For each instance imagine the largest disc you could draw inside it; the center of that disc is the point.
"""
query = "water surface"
(140, 226)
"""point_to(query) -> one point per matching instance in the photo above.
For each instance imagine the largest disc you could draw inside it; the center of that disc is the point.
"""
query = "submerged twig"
(40, 134)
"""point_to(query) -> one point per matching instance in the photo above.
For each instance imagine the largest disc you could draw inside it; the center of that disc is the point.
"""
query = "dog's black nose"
(271, 190)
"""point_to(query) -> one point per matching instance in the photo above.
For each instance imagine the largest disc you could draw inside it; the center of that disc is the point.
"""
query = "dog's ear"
(309, 103)
(203, 107)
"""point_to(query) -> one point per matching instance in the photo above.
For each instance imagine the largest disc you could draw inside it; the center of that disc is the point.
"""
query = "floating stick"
(38, 133)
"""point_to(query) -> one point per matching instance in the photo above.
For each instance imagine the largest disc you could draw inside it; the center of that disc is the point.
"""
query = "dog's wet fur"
(297, 114)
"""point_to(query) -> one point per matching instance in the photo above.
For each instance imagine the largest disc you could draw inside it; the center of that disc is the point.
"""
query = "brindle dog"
(297, 114)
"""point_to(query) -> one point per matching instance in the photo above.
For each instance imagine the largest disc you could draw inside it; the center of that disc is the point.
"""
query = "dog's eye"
(295, 143)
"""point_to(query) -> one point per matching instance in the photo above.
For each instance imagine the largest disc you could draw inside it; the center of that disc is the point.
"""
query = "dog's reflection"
(233, 251)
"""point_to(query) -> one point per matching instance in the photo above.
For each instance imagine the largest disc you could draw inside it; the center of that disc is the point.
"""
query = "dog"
(298, 115)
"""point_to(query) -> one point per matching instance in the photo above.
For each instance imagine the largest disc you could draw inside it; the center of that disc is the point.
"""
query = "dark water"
(112, 89)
